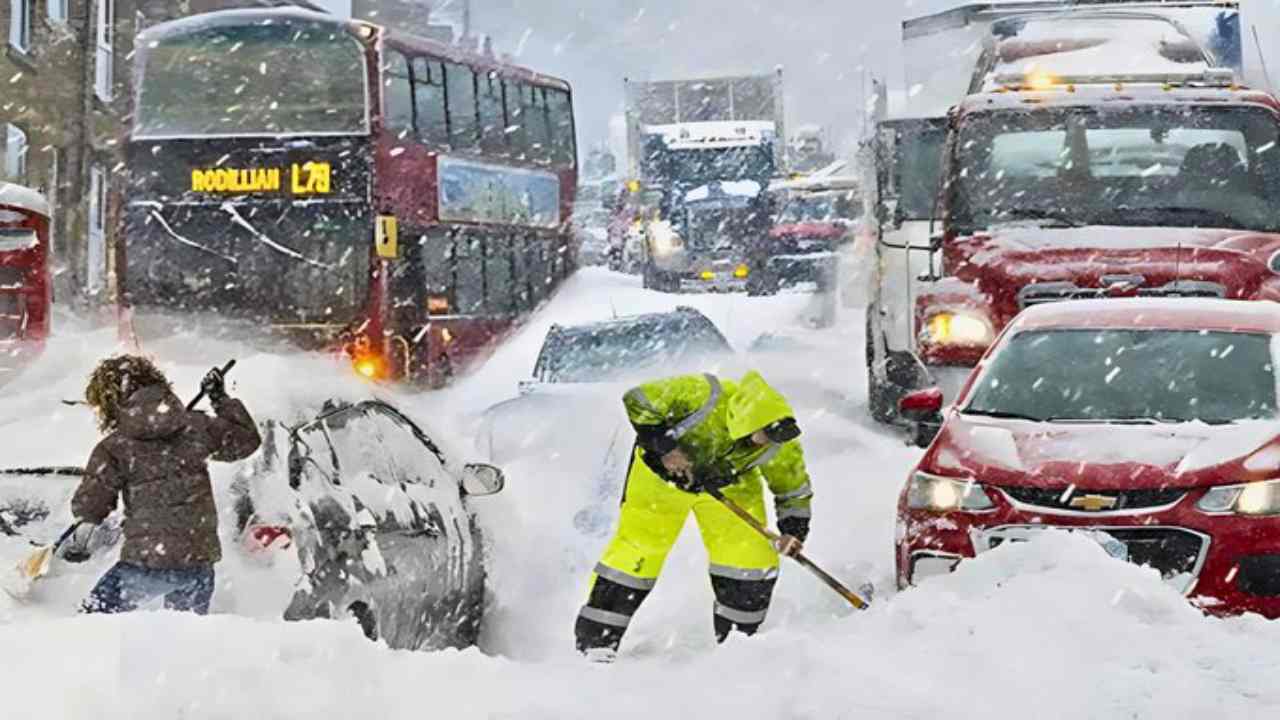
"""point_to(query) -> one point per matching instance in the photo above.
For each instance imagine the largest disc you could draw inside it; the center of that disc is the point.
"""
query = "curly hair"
(114, 380)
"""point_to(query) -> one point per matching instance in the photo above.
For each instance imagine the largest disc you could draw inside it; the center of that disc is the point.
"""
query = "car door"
(429, 538)
(392, 545)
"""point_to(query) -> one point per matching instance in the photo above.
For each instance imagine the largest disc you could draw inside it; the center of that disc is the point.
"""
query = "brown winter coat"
(156, 459)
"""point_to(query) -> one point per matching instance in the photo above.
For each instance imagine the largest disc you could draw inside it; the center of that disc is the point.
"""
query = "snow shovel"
(34, 567)
(844, 592)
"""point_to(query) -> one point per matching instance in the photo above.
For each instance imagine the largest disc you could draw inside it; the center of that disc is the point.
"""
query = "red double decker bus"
(339, 184)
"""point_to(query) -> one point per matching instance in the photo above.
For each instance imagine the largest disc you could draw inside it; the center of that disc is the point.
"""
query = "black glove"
(76, 548)
(796, 527)
(214, 386)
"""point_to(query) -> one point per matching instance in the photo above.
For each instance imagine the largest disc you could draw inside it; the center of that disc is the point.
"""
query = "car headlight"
(1274, 263)
(1256, 498)
(663, 238)
(944, 494)
(951, 327)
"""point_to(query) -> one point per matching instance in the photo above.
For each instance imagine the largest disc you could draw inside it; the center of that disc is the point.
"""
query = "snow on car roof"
(1247, 316)
(24, 198)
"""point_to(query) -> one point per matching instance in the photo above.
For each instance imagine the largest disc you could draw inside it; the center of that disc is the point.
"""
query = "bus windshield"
(279, 78)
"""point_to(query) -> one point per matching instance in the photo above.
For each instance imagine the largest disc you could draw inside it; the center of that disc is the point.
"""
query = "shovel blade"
(19, 581)
(36, 565)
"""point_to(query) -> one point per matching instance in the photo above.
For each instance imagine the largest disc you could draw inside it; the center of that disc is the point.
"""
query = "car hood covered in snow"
(1013, 257)
(1104, 456)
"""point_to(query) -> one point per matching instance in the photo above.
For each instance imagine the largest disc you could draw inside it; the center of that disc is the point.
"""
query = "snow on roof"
(714, 134)
(1097, 43)
(25, 198)
(1258, 316)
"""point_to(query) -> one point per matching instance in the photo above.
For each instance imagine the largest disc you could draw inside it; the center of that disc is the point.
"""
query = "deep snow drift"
(1052, 628)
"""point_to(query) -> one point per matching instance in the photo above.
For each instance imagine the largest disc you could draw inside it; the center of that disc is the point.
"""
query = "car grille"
(1170, 551)
(1057, 499)
(1048, 292)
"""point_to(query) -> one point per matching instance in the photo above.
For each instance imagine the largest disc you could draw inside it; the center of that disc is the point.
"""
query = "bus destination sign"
(306, 178)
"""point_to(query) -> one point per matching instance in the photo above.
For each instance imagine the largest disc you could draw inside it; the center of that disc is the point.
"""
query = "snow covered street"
(1052, 628)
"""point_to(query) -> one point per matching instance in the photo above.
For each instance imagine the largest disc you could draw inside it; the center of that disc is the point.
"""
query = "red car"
(1149, 424)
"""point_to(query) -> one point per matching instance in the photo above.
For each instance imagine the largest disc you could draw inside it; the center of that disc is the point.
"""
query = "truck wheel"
(652, 278)
(882, 394)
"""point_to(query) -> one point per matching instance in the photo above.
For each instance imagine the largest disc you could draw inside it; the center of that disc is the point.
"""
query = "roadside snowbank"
(1052, 629)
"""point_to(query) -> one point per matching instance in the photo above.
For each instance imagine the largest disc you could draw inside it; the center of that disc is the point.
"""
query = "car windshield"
(1156, 375)
(605, 352)
(1166, 165)
(262, 79)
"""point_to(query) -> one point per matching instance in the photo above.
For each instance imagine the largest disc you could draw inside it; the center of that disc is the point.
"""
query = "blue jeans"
(126, 586)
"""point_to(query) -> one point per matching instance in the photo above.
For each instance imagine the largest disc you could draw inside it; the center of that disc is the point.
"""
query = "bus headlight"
(369, 366)
(1256, 498)
(944, 494)
(663, 239)
(958, 327)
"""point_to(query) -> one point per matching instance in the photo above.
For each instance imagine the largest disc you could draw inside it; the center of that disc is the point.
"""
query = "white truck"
(971, 49)
(710, 147)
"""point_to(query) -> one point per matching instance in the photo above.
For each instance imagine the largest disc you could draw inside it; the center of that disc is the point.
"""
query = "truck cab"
(1153, 188)
(1137, 68)
(715, 205)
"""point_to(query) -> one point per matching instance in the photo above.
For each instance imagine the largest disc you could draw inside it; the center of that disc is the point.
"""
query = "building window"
(104, 67)
(15, 154)
(20, 24)
(58, 10)
(96, 257)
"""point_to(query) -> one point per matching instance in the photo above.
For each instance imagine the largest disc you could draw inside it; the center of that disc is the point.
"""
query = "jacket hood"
(754, 405)
(150, 413)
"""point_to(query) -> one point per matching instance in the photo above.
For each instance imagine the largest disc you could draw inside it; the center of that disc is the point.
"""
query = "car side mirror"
(480, 480)
(923, 408)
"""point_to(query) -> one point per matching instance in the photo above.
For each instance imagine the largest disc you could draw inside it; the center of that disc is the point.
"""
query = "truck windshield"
(700, 166)
(1157, 375)
(1152, 165)
(281, 78)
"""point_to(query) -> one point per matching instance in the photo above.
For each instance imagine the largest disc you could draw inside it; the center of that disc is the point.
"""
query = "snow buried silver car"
(354, 514)
(381, 522)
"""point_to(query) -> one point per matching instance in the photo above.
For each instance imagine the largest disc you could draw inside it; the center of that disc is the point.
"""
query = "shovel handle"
(200, 396)
(853, 598)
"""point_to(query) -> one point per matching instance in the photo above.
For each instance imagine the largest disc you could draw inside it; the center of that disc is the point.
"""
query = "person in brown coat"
(155, 457)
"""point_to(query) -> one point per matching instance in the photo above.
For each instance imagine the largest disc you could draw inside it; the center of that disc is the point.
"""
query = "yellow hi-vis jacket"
(706, 417)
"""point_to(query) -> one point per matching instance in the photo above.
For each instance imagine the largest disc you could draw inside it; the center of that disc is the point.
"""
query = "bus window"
(428, 91)
(519, 265)
(538, 124)
(436, 252)
(563, 146)
(399, 94)
(463, 124)
(469, 287)
(497, 275)
(291, 77)
(493, 125)
(516, 97)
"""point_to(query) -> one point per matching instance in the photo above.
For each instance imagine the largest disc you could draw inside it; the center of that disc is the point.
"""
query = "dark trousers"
(126, 586)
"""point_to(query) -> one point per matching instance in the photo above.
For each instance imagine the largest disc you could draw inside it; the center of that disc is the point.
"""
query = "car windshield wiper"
(1057, 217)
(1001, 414)
(1126, 215)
